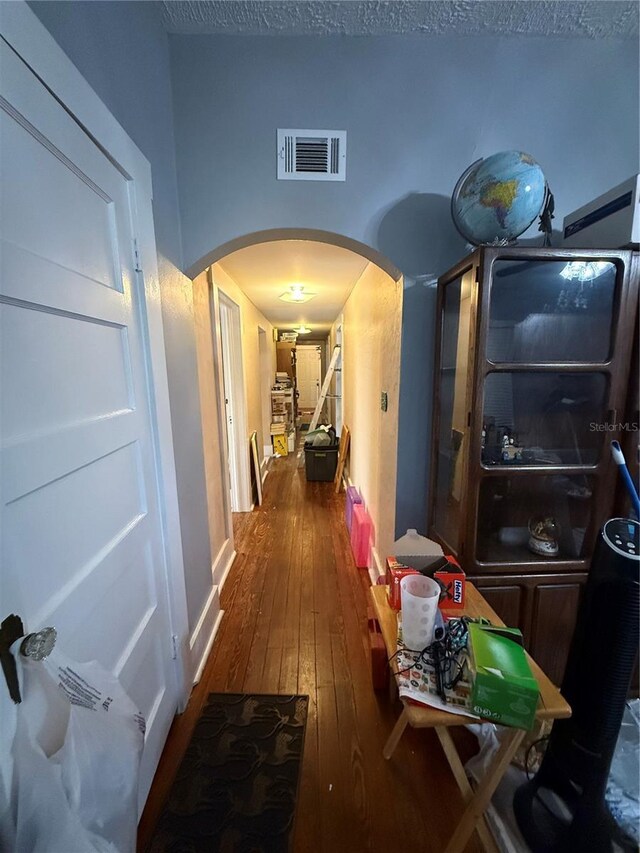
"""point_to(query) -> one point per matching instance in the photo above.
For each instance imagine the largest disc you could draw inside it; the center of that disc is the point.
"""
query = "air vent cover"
(312, 155)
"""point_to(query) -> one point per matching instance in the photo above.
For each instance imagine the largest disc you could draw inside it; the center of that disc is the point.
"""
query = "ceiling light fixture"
(302, 330)
(297, 294)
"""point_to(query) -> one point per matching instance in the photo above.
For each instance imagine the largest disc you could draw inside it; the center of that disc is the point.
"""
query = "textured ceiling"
(583, 18)
(266, 270)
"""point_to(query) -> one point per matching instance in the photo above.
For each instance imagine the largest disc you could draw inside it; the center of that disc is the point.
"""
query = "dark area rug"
(235, 791)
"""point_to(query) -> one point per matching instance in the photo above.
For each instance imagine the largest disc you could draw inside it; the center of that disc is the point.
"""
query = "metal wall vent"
(312, 155)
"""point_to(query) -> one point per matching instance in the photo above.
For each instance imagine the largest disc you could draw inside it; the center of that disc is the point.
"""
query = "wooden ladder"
(333, 364)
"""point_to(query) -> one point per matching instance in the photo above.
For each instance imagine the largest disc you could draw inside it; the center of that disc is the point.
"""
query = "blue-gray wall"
(418, 110)
(123, 52)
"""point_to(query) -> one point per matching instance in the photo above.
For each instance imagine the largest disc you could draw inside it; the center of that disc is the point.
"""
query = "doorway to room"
(309, 376)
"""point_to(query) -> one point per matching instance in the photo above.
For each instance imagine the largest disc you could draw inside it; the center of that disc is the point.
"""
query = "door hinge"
(136, 256)
(174, 646)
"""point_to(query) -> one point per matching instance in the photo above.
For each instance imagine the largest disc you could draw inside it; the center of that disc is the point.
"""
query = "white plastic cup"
(419, 596)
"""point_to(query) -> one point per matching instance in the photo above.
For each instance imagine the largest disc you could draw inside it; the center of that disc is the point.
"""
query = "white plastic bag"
(76, 756)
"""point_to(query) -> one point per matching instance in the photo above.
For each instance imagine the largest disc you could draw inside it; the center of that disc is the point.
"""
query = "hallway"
(296, 621)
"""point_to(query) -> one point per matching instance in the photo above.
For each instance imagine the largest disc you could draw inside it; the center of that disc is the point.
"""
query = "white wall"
(372, 327)
(418, 109)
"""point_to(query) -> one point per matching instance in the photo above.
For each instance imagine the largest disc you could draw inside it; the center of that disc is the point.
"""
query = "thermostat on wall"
(611, 221)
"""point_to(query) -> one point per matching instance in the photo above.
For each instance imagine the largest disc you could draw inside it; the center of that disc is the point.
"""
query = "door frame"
(33, 43)
(232, 388)
(266, 380)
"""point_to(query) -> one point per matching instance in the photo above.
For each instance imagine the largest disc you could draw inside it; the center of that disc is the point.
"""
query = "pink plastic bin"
(353, 498)
(360, 535)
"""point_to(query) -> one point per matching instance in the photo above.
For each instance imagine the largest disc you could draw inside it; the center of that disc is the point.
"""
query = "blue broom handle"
(618, 457)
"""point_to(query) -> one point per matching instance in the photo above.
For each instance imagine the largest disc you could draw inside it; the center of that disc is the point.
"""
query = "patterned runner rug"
(235, 791)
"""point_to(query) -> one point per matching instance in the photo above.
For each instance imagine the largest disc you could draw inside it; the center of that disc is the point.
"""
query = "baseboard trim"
(377, 569)
(225, 561)
(203, 635)
(209, 646)
(201, 639)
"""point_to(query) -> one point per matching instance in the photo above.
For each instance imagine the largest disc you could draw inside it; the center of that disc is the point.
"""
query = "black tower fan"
(563, 807)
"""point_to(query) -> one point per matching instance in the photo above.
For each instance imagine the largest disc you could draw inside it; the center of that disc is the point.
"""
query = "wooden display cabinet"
(533, 355)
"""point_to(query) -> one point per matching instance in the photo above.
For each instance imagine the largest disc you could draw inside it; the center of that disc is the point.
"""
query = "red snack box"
(395, 572)
(450, 577)
(452, 580)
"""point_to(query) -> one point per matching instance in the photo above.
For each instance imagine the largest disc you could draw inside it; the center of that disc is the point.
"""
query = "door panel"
(308, 375)
(555, 609)
(544, 607)
(86, 371)
(507, 601)
(82, 544)
(82, 239)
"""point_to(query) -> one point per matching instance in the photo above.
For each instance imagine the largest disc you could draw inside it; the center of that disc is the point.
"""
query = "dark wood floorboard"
(296, 621)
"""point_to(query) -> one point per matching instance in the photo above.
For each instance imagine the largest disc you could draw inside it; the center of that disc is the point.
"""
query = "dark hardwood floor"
(296, 622)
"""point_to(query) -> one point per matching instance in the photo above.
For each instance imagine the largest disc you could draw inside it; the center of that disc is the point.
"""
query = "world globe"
(496, 199)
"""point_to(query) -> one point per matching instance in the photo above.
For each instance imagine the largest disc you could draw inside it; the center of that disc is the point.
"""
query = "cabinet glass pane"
(452, 438)
(543, 418)
(551, 311)
(530, 518)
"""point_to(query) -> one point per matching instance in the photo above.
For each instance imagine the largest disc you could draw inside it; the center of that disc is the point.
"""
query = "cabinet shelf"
(522, 470)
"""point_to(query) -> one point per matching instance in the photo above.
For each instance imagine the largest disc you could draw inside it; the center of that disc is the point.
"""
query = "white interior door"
(233, 383)
(308, 375)
(82, 538)
(267, 369)
(227, 374)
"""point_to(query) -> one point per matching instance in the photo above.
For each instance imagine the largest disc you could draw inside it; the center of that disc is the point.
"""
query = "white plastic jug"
(415, 550)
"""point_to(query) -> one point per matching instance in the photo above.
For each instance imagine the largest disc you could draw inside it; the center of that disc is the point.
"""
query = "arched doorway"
(368, 323)
(276, 234)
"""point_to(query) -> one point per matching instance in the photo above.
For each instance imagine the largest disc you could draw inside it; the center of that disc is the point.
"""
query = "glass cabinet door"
(526, 518)
(559, 313)
(543, 418)
(551, 311)
(454, 382)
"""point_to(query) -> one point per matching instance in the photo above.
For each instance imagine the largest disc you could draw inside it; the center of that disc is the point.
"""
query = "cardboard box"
(449, 575)
(453, 582)
(504, 689)
(395, 572)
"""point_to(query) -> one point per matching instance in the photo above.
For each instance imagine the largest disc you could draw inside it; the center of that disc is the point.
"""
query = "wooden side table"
(551, 706)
